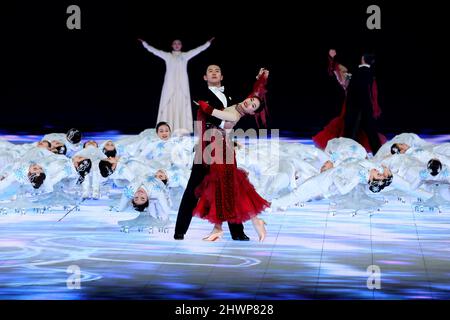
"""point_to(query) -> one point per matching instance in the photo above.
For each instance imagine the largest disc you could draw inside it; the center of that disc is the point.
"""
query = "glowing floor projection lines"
(308, 254)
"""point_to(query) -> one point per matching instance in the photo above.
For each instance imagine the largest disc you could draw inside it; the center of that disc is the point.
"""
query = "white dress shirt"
(218, 91)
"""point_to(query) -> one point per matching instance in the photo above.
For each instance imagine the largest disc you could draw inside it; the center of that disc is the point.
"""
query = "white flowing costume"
(411, 139)
(175, 103)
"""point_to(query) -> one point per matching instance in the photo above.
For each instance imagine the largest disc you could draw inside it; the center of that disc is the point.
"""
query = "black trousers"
(362, 119)
(189, 201)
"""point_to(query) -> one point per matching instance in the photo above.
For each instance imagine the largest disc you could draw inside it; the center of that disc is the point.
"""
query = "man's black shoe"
(178, 236)
(241, 237)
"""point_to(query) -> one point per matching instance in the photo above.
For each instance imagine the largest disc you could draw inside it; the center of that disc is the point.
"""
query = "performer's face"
(140, 197)
(43, 144)
(250, 105)
(91, 143)
(213, 75)
(375, 174)
(177, 45)
(56, 144)
(163, 132)
(36, 169)
(161, 175)
(109, 146)
(76, 160)
(403, 147)
(326, 166)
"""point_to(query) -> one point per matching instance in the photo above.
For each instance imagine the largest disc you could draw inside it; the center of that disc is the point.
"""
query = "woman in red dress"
(226, 194)
(335, 128)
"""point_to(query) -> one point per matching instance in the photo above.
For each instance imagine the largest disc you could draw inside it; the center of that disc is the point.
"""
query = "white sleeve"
(146, 150)
(123, 204)
(159, 53)
(345, 185)
(6, 183)
(163, 205)
(96, 177)
(192, 53)
(126, 173)
(402, 185)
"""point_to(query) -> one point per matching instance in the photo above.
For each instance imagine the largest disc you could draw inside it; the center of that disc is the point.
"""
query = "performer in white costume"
(175, 103)
(18, 174)
(20, 149)
(65, 143)
(336, 181)
(408, 139)
(277, 168)
(91, 184)
(123, 171)
(343, 149)
(409, 173)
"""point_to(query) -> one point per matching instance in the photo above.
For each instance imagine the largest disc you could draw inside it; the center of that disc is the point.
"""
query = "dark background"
(100, 78)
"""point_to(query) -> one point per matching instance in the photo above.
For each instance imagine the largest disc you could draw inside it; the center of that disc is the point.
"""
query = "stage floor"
(308, 254)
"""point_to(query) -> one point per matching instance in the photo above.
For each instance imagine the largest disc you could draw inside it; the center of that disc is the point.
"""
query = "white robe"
(342, 180)
(344, 149)
(175, 103)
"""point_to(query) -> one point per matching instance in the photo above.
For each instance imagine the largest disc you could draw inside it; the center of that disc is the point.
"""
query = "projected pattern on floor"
(308, 254)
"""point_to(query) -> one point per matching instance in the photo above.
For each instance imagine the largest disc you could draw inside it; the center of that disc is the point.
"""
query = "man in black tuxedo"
(360, 107)
(215, 94)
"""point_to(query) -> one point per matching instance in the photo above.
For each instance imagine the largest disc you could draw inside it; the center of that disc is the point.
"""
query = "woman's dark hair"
(434, 166)
(162, 123)
(376, 185)
(261, 104)
(61, 149)
(37, 180)
(73, 136)
(388, 181)
(139, 207)
(105, 168)
(110, 153)
(395, 149)
(84, 167)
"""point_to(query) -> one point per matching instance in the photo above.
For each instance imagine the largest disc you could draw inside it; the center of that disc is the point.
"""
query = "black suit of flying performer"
(359, 112)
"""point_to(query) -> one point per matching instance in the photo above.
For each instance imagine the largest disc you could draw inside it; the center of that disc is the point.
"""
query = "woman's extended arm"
(228, 114)
(192, 53)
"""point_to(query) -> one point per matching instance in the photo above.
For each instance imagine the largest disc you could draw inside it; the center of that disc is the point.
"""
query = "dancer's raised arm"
(192, 53)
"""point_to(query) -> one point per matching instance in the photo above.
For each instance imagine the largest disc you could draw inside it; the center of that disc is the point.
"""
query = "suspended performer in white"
(175, 103)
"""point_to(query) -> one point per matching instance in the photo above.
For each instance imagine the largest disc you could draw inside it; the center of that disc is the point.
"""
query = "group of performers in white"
(160, 170)
(153, 168)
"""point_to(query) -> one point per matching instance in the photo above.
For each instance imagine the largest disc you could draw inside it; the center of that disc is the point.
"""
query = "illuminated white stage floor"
(308, 254)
